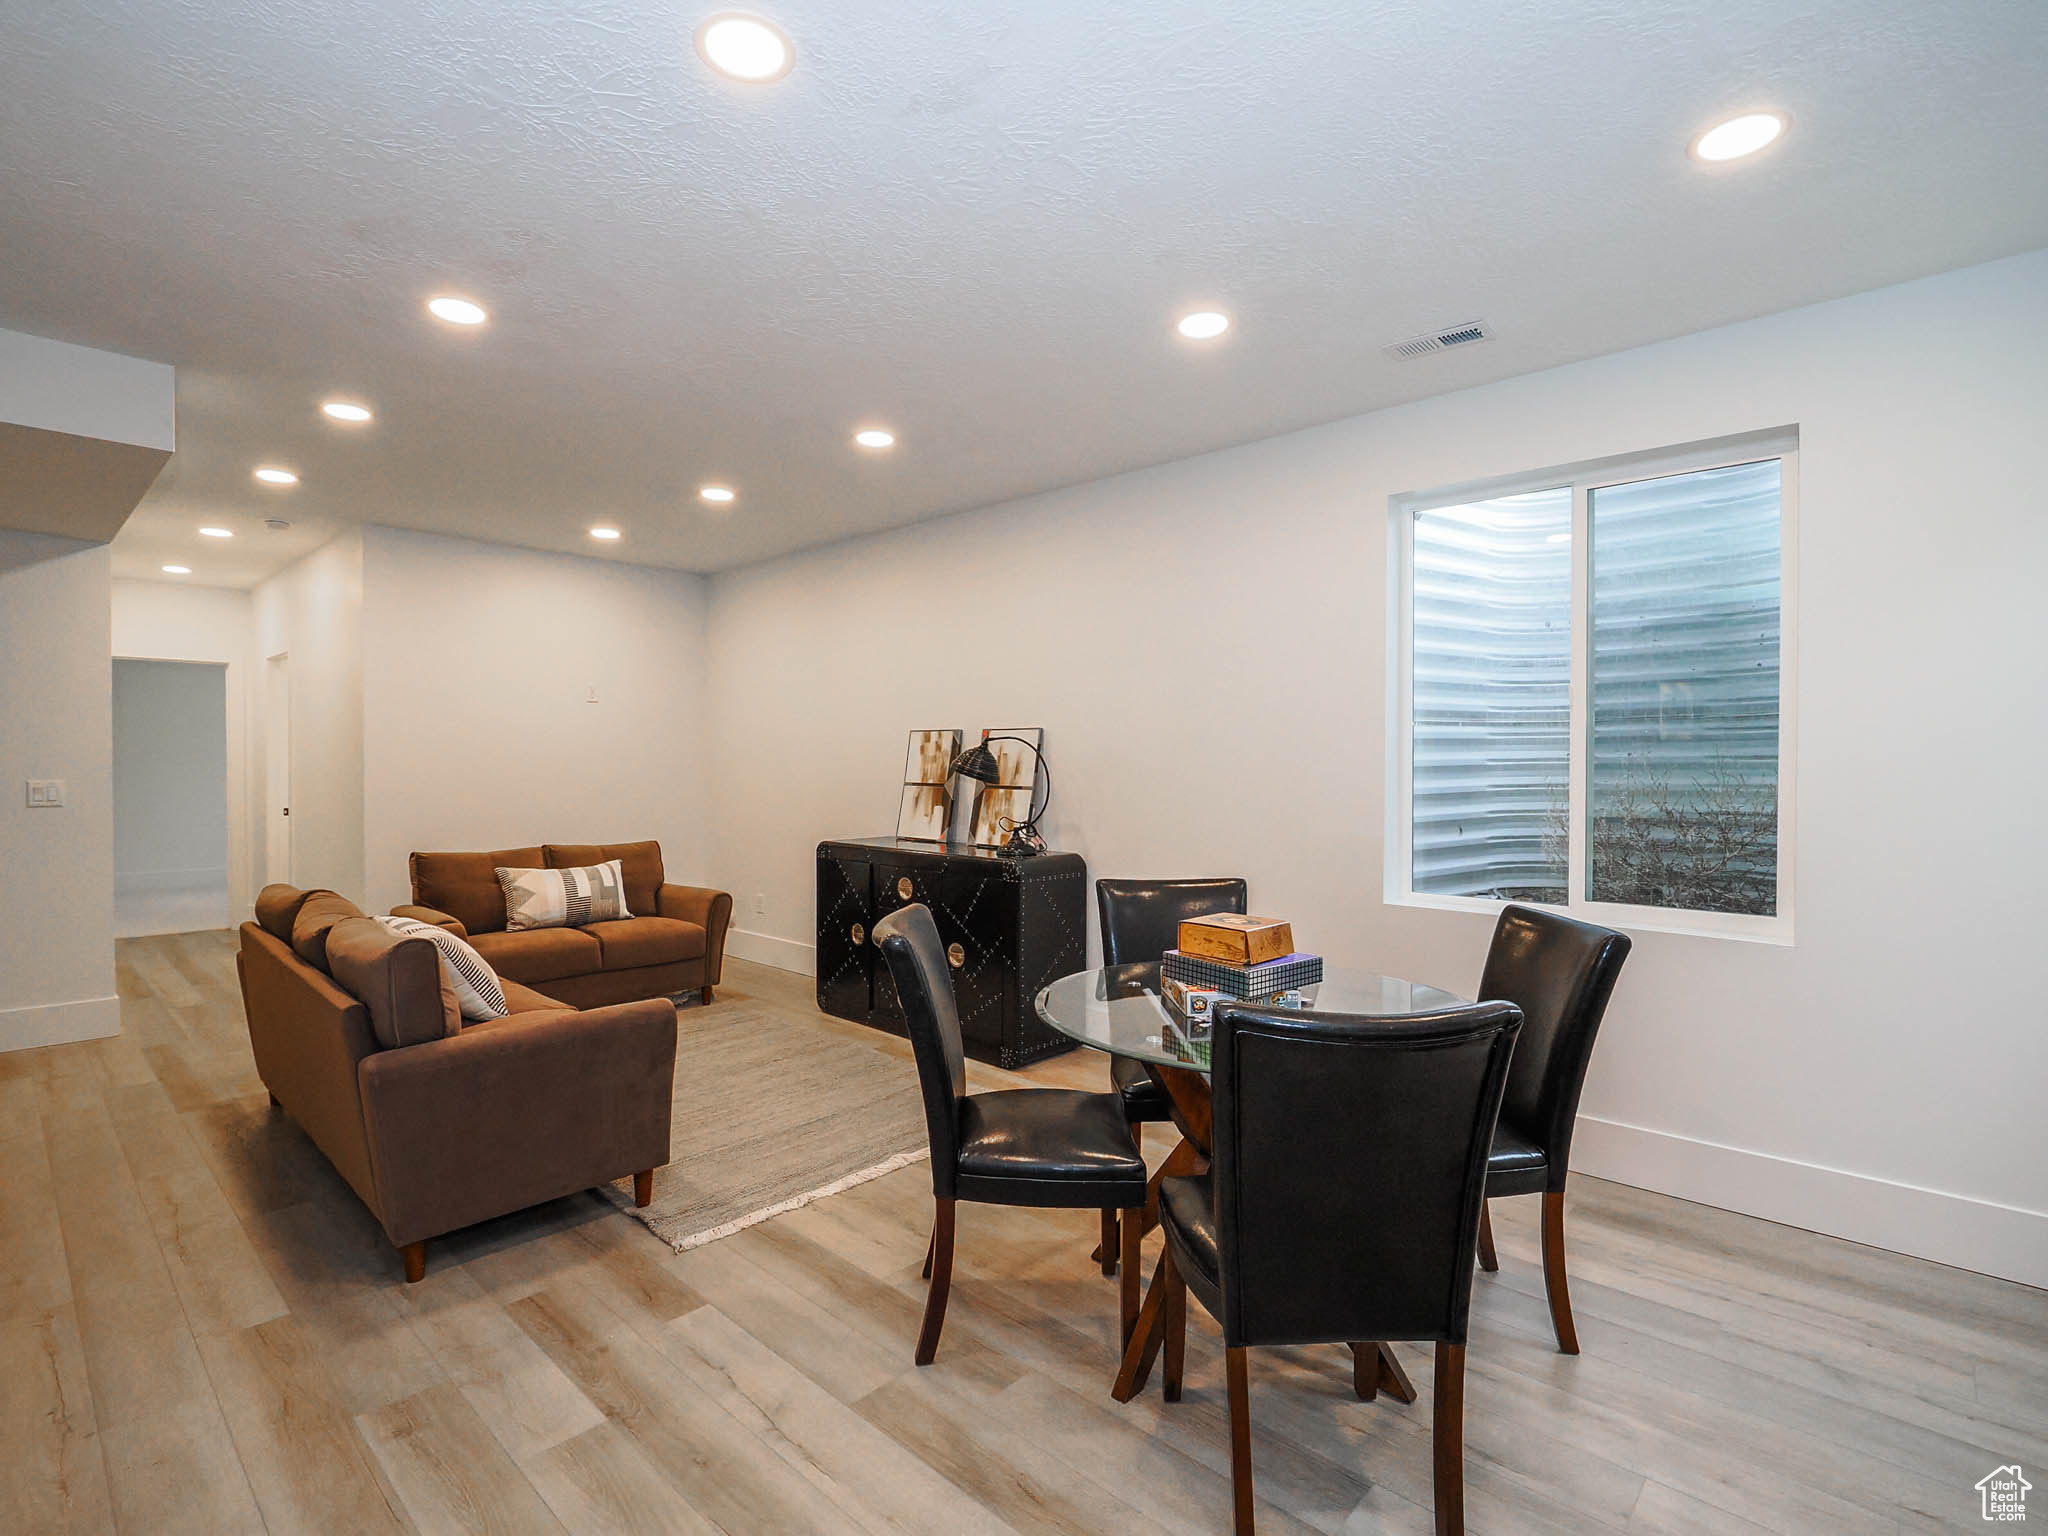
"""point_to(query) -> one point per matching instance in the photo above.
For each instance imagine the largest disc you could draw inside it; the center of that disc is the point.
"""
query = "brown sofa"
(673, 942)
(437, 1124)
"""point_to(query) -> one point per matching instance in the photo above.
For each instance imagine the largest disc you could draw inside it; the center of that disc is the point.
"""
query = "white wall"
(58, 387)
(1881, 1079)
(56, 865)
(166, 621)
(170, 774)
(477, 728)
(313, 611)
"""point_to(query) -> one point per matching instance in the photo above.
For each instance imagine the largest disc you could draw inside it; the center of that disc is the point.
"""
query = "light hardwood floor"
(202, 1330)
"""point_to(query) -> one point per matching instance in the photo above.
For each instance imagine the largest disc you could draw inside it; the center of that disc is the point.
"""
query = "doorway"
(170, 791)
(277, 770)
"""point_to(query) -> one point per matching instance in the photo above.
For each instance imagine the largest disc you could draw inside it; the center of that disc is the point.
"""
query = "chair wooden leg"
(942, 1280)
(1488, 1260)
(707, 995)
(415, 1256)
(1105, 1251)
(643, 1188)
(930, 1247)
(1448, 1437)
(1132, 1233)
(1238, 1390)
(1175, 1310)
(1553, 1272)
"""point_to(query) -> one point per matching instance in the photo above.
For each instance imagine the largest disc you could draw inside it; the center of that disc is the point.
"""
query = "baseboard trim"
(90, 1018)
(1992, 1239)
(768, 949)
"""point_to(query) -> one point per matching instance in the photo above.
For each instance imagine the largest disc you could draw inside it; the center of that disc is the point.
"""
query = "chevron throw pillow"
(563, 898)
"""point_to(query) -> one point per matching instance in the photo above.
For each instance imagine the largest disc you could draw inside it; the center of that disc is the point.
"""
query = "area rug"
(772, 1113)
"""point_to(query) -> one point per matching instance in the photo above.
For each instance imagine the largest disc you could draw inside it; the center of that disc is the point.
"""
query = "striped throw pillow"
(477, 990)
(563, 898)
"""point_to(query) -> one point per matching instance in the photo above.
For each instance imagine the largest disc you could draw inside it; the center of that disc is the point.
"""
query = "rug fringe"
(795, 1202)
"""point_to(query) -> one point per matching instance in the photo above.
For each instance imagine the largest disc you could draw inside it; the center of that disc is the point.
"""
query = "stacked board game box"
(1251, 958)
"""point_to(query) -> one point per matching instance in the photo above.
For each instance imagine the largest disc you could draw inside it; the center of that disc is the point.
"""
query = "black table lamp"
(980, 764)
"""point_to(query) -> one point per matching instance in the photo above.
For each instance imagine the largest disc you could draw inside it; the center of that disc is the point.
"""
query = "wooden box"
(1235, 939)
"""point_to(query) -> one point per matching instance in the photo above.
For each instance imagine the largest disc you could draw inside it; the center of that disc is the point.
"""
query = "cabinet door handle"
(904, 889)
(859, 933)
(955, 956)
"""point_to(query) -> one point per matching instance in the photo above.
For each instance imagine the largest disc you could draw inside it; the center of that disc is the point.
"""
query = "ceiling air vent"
(1440, 341)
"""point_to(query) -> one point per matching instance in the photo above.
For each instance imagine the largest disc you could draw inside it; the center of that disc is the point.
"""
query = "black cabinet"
(1010, 927)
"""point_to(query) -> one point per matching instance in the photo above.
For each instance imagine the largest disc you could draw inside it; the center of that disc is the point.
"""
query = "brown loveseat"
(673, 942)
(436, 1123)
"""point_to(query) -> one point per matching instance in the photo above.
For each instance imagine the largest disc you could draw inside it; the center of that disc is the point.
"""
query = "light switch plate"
(45, 793)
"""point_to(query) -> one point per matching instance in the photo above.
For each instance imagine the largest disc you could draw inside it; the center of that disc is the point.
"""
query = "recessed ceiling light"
(875, 437)
(1739, 136)
(1203, 325)
(602, 532)
(456, 310)
(345, 410)
(217, 533)
(177, 570)
(718, 495)
(745, 48)
(270, 474)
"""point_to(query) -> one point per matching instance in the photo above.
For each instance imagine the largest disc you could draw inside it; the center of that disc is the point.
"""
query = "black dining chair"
(1560, 973)
(1019, 1146)
(1341, 1203)
(1140, 922)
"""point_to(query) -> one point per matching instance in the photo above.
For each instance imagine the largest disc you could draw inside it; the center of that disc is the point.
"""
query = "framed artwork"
(996, 808)
(925, 811)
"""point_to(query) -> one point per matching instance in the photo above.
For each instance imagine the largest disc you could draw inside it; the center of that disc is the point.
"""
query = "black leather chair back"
(1560, 973)
(909, 941)
(1350, 1164)
(1141, 918)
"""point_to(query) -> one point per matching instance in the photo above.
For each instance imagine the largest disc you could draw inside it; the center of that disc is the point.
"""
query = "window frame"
(1584, 478)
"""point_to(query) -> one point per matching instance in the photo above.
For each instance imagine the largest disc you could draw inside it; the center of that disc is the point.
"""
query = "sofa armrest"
(710, 910)
(435, 916)
(499, 1118)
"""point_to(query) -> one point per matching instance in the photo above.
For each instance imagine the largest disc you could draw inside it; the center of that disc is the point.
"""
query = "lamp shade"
(979, 764)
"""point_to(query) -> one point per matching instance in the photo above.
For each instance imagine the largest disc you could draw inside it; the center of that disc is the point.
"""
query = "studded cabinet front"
(846, 960)
(1009, 927)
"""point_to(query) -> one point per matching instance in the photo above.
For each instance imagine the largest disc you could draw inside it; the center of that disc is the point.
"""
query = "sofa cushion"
(465, 886)
(636, 941)
(520, 999)
(641, 863)
(277, 908)
(398, 977)
(562, 898)
(317, 914)
(540, 955)
(477, 990)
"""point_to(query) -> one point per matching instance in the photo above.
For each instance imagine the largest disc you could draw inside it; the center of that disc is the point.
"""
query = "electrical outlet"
(590, 694)
(760, 903)
(44, 793)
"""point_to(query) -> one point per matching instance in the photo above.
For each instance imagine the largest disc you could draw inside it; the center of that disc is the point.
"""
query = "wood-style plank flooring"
(202, 1330)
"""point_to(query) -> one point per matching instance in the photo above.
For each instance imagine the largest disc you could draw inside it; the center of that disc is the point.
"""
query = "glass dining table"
(1117, 1010)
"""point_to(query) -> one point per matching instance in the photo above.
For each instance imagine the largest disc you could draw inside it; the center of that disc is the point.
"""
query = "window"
(1588, 692)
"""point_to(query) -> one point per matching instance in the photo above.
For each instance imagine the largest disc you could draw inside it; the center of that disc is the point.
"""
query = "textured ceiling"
(972, 222)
